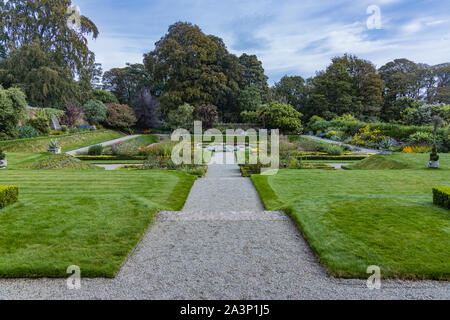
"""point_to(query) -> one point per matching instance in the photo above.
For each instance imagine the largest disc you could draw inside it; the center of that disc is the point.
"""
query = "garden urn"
(3, 163)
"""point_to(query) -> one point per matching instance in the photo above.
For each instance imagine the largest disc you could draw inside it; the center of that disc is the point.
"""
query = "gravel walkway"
(105, 144)
(222, 246)
(356, 148)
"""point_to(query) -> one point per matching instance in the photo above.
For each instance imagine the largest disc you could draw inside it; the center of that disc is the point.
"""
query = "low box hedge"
(8, 195)
(112, 158)
(441, 197)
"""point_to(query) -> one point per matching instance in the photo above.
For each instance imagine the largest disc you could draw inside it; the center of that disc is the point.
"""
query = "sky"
(290, 37)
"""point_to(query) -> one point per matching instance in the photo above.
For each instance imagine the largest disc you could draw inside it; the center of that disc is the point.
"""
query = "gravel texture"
(218, 248)
(105, 144)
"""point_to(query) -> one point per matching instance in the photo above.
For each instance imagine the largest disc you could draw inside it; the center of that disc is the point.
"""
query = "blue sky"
(290, 37)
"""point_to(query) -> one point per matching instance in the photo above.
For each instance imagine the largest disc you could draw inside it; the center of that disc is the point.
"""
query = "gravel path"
(356, 148)
(222, 246)
(105, 144)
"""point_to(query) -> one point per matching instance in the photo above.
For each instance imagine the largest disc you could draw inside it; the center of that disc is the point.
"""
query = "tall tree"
(25, 22)
(45, 81)
(290, 90)
(439, 92)
(252, 72)
(185, 59)
(146, 108)
(125, 82)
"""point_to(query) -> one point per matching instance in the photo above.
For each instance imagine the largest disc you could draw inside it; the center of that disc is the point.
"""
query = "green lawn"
(67, 143)
(92, 219)
(19, 160)
(399, 160)
(354, 219)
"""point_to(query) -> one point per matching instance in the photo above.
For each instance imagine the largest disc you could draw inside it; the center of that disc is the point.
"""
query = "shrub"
(13, 108)
(95, 150)
(120, 116)
(41, 124)
(64, 128)
(103, 96)
(72, 116)
(130, 148)
(281, 116)
(8, 195)
(441, 197)
(95, 111)
(421, 137)
(26, 132)
(2, 155)
(334, 150)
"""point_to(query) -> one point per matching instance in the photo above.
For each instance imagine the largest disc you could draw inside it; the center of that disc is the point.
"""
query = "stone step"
(205, 215)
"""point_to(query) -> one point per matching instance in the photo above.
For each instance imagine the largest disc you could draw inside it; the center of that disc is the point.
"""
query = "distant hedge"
(8, 195)
(441, 197)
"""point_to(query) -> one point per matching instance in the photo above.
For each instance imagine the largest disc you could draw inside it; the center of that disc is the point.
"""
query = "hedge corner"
(441, 197)
(8, 195)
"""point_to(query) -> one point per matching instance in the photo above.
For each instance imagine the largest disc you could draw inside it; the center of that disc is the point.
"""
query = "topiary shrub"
(441, 197)
(8, 195)
(2, 155)
(26, 132)
(95, 150)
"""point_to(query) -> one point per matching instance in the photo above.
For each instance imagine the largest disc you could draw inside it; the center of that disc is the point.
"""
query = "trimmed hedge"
(441, 197)
(106, 157)
(8, 195)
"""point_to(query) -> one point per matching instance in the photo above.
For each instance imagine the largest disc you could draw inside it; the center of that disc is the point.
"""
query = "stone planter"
(433, 164)
(54, 151)
(3, 163)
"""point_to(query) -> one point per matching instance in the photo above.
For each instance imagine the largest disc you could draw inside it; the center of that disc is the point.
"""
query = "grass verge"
(354, 219)
(92, 219)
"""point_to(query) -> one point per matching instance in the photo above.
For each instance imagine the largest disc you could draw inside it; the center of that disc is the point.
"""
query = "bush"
(441, 197)
(103, 96)
(281, 116)
(41, 124)
(64, 128)
(95, 150)
(72, 116)
(95, 111)
(120, 116)
(2, 155)
(207, 114)
(13, 108)
(8, 195)
(421, 137)
(26, 132)
(334, 150)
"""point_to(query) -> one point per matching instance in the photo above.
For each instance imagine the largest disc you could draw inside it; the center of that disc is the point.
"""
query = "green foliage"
(8, 195)
(207, 114)
(252, 72)
(48, 19)
(280, 116)
(95, 111)
(250, 99)
(183, 117)
(41, 124)
(434, 156)
(146, 108)
(424, 114)
(441, 197)
(291, 90)
(104, 96)
(12, 110)
(250, 117)
(46, 81)
(334, 150)
(96, 150)
(120, 116)
(26, 132)
(2, 155)
(421, 137)
(124, 83)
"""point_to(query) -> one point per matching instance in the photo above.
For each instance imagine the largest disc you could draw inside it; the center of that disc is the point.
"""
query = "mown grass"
(399, 161)
(92, 219)
(354, 219)
(67, 143)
